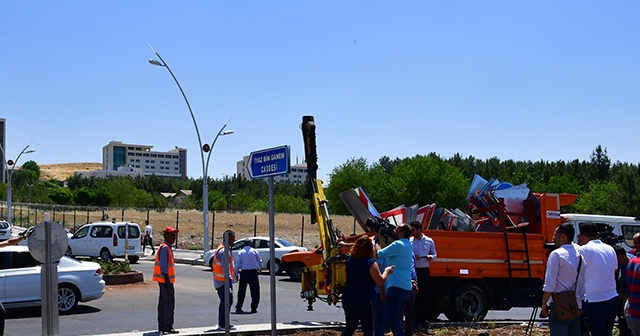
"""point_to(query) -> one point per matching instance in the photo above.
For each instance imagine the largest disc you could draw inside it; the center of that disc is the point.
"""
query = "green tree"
(60, 195)
(351, 174)
(600, 164)
(84, 196)
(603, 198)
(121, 191)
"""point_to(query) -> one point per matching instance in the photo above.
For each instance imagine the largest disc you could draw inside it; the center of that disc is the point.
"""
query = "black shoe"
(239, 311)
(253, 311)
(170, 331)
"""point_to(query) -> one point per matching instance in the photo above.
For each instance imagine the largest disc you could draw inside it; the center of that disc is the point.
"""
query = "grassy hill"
(61, 171)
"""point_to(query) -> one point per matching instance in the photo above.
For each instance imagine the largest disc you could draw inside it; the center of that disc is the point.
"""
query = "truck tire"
(469, 303)
(295, 271)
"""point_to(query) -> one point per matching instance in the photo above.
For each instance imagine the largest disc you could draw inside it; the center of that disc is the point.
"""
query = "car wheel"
(295, 272)
(133, 259)
(277, 265)
(469, 303)
(105, 255)
(69, 252)
(68, 297)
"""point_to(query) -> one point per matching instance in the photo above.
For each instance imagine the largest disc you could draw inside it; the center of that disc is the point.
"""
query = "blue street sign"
(269, 162)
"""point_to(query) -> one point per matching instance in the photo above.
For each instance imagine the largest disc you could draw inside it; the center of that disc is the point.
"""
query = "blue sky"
(522, 80)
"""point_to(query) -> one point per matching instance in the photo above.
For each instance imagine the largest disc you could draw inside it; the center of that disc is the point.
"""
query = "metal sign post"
(47, 244)
(268, 163)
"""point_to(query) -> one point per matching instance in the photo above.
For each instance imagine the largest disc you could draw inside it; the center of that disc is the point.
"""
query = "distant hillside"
(61, 171)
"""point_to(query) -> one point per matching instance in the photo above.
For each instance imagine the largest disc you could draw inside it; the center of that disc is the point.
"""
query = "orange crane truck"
(474, 271)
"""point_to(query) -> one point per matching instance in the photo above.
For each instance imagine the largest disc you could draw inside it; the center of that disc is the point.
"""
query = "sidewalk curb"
(247, 329)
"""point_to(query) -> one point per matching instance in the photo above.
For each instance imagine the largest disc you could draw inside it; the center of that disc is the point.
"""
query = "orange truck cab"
(294, 262)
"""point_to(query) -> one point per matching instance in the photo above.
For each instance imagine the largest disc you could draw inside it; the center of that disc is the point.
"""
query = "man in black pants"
(248, 266)
(424, 251)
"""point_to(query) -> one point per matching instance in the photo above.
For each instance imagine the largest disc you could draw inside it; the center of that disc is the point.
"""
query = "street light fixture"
(204, 148)
(13, 164)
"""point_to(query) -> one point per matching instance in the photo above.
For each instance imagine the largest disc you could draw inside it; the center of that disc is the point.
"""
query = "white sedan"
(261, 244)
(78, 281)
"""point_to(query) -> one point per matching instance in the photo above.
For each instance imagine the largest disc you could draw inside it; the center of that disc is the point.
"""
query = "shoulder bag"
(565, 303)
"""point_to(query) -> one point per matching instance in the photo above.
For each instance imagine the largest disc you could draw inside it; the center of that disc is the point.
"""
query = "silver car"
(78, 281)
(6, 230)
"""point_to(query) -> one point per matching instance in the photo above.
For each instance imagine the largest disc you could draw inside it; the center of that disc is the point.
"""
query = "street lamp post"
(204, 148)
(13, 164)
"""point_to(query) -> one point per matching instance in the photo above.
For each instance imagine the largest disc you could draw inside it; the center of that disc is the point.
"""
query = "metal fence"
(293, 227)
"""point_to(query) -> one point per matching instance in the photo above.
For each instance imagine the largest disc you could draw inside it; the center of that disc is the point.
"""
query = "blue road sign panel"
(269, 162)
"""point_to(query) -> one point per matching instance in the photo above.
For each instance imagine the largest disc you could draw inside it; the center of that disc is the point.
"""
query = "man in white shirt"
(424, 250)
(562, 275)
(599, 263)
(248, 266)
(148, 233)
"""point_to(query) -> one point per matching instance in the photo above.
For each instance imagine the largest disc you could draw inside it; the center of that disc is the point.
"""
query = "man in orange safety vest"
(164, 274)
(218, 267)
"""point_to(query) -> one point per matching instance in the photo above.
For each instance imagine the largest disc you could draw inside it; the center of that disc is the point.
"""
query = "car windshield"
(285, 242)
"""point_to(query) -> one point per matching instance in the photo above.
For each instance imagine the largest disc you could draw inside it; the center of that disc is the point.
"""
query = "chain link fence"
(293, 227)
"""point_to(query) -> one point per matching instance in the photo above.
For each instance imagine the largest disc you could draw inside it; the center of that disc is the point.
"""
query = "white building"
(120, 159)
(297, 175)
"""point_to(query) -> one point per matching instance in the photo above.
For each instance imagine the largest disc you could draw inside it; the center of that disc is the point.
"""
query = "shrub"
(114, 267)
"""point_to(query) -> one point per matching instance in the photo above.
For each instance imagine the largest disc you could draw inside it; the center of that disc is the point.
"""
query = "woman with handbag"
(560, 301)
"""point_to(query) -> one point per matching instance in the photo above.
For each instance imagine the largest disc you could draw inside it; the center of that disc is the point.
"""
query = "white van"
(612, 229)
(107, 240)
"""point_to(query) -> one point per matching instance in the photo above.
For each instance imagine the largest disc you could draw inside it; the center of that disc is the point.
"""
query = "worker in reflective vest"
(164, 274)
(218, 277)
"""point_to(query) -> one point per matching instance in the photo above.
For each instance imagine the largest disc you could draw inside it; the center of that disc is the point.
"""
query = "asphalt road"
(129, 308)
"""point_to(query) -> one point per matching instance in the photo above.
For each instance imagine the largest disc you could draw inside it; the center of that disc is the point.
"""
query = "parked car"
(6, 230)
(107, 240)
(261, 244)
(78, 281)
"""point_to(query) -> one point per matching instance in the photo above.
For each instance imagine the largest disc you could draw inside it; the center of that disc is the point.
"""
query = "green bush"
(114, 267)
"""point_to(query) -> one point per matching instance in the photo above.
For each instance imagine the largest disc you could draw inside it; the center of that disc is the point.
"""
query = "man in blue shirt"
(248, 266)
(398, 285)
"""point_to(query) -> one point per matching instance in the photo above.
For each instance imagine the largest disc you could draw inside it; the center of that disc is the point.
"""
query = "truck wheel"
(469, 303)
(295, 271)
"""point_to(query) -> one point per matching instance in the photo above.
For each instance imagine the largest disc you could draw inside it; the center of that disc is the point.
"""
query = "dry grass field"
(189, 222)
(61, 171)
(287, 226)
(296, 228)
